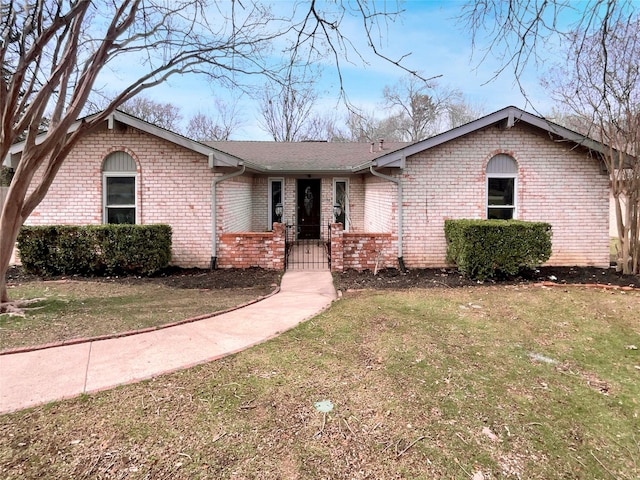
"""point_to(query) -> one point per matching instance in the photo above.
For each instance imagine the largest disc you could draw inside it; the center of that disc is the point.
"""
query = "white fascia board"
(221, 159)
(157, 132)
(216, 158)
(362, 166)
(11, 160)
(563, 132)
(395, 159)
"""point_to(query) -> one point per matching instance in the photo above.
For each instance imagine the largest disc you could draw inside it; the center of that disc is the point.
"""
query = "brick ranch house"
(243, 204)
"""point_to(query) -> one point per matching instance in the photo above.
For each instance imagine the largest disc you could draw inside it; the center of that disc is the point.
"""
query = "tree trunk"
(633, 214)
(9, 228)
(10, 222)
(622, 249)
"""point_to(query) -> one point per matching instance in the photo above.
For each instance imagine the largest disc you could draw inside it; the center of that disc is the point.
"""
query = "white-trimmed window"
(502, 183)
(119, 189)
(341, 200)
(276, 197)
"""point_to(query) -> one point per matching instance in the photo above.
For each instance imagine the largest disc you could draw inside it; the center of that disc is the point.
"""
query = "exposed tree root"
(15, 308)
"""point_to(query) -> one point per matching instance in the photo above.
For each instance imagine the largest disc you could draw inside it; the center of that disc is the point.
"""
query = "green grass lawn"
(485, 382)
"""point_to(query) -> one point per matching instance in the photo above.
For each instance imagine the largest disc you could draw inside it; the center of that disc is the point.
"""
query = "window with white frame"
(341, 202)
(502, 179)
(119, 188)
(276, 201)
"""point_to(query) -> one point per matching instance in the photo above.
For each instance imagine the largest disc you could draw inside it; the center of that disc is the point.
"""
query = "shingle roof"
(306, 156)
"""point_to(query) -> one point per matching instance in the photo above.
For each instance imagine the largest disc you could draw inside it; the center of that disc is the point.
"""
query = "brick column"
(337, 247)
(278, 246)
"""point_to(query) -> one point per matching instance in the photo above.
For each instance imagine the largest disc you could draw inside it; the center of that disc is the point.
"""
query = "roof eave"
(308, 171)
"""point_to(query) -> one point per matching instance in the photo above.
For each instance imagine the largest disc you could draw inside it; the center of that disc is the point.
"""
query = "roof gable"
(507, 117)
(215, 157)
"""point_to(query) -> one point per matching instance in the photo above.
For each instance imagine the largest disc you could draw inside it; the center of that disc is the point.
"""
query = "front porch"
(283, 249)
(308, 253)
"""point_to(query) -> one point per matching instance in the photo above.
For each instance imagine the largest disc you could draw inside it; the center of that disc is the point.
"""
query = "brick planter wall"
(361, 250)
(368, 251)
(337, 250)
(253, 249)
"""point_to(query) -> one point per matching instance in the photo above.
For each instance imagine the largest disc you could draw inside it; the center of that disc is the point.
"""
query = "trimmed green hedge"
(487, 248)
(95, 249)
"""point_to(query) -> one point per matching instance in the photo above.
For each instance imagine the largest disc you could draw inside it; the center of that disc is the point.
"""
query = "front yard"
(72, 308)
(515, 381)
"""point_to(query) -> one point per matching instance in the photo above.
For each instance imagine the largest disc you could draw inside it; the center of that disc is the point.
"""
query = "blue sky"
(438, 44)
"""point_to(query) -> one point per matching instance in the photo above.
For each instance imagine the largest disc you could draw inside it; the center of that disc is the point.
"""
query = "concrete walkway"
(41, 376)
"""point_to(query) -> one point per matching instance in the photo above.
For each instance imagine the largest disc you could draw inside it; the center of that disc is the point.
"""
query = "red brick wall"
(253, 249)
(337, 247)
(361, 251)
(556, 184)
(368, 251)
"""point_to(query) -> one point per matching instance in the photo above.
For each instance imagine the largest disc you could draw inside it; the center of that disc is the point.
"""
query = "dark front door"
(308, 208)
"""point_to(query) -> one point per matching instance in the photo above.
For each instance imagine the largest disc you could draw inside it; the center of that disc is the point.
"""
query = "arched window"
(119, 188)
(502, 177)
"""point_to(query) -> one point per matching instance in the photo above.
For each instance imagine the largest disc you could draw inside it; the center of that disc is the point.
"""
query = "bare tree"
(577, 122)
(367, 127)
(599, 86)
(323, 127)
(54, 54)
(420, 107)
(165, 115)
(286, 107)
(519, 32)
(217, 127)
(461, 111)
(599, 81)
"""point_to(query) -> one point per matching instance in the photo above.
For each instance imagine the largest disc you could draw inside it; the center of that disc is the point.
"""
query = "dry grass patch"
(75, 309)
(479, 382)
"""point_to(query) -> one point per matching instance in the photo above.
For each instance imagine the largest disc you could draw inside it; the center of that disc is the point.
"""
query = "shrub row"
(487, 248)
(95, 249)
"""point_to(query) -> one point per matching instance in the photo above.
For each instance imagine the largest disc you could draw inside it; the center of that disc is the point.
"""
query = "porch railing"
(303, 253)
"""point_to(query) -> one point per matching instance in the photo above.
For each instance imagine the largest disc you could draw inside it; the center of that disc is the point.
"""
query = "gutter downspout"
(214, 215)
(398, 182)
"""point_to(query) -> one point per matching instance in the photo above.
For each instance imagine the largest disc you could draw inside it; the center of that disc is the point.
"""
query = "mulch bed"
(442, 277)
(172, 277)
(352, 280)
